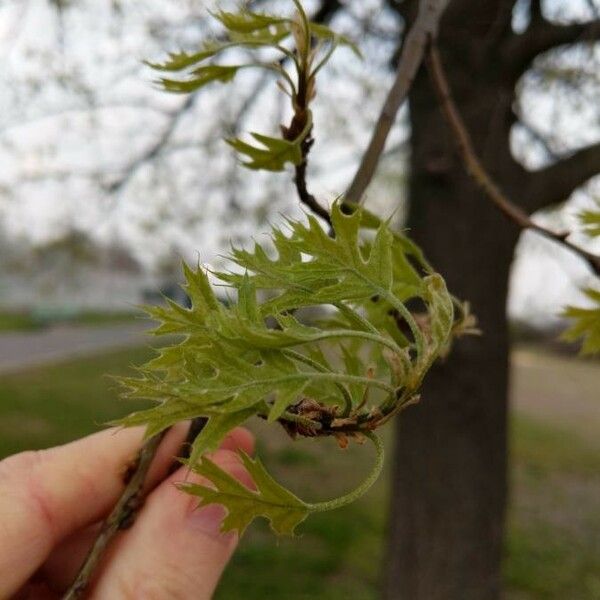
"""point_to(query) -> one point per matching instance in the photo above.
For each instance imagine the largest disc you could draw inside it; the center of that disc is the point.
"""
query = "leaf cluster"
(586, 321)
(342, 376)
(298, 49)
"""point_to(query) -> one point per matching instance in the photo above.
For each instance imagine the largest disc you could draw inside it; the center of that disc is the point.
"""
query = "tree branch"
(556, 182)
(121, 517)
(424, 28)
(326, 11)
(153, 151)
(304, 195)
(477, 171)
(520, 50)
(535, 11)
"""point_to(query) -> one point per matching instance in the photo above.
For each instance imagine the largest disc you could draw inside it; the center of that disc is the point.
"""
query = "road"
(21, 350)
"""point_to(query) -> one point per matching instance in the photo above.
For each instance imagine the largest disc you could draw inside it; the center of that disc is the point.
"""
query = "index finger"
(46, 495)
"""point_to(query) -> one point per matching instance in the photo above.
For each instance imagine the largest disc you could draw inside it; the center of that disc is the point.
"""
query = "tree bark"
(450, 462)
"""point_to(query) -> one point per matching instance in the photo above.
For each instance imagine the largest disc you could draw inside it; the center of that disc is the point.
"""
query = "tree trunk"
(450, 463)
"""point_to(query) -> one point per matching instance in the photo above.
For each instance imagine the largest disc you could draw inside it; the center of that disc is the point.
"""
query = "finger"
(175, 550)
(63, 564)
(238, 439)
(48, 494)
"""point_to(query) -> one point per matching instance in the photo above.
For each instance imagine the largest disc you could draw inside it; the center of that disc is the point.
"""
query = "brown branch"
(477, 171)
(121, 517)
(301, 186)
(326, 11)
(556, 182)
(535, 11)
(424, 28)
(519, 51)
(197, 424)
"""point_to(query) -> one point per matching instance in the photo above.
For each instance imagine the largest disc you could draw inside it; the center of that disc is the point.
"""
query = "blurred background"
(107, 183)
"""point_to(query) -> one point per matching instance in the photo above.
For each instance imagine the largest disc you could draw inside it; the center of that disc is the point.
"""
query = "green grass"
(553, 544)
(28, 321)
(17, 321)
(55, 404)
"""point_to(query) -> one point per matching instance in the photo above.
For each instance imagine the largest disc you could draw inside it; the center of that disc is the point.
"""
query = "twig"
(154, 150)
(425, 28)
(194, 430)
(121, 517)
(300, 182)
(475, 168)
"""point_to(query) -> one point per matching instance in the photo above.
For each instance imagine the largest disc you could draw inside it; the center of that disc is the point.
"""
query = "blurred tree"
(450, 476)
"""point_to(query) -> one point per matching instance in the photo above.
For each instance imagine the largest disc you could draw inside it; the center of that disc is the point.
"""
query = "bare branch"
(520, 50)
(326, 11)
(424, 28)
(121, 517)
(556, 182)
(477, 171)
(535, 10)
(154, 150)
(304, 195)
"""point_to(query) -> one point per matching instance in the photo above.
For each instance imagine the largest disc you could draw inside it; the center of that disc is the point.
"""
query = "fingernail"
(208, 520)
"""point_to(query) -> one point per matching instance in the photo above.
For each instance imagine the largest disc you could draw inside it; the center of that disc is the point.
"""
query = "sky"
(78, 109)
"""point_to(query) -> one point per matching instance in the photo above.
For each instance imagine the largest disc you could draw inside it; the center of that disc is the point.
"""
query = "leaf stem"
(412, 324)
(363, 487)
(323, 369)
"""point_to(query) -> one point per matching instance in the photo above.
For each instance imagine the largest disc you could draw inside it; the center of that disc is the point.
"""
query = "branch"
(301, 186)
(153, 151)
(121, 517)
(538, 137)
(424, 28)
(520, 50)
(555, 183)
(326, 11)
(477, 171)
(535, 11)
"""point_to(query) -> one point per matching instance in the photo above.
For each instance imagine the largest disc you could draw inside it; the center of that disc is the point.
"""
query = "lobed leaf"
(270, 500)
(590, 220)
(586, 324)
(200, 77)
(271, 155)
(322, 31)
(252, 357)
(246, 21)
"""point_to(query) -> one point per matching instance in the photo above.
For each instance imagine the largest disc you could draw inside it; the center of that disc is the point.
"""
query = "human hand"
(52, 503)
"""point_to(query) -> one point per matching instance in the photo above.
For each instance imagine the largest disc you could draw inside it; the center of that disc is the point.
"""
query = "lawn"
(31, 320)
(553, 546)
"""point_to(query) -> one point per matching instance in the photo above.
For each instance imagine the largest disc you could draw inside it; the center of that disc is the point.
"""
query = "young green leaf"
(279, 506)
(271, 155)
(215, 430)
(252, 357)
(246, 21)
(200, 77)
(177, 61)
(590, 220)
(321, 31)
(586, 324)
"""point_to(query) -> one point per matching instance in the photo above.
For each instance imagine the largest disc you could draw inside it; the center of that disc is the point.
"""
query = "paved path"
(21, 350)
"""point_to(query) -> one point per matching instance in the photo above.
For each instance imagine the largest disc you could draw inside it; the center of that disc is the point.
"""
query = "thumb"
(174, 550)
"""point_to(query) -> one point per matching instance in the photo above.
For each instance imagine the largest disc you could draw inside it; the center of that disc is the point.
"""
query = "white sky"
(77, 107)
